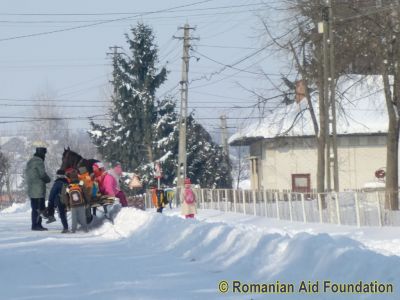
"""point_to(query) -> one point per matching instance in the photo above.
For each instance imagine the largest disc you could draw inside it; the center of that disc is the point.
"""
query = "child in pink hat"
(188, 200)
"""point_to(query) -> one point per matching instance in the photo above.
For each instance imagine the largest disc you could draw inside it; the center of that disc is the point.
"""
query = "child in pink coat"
(188, 199)
(110, 184)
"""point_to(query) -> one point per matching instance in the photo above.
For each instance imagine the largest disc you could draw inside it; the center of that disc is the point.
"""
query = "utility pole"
(225, 146)
(333, 82)
(184, 102)
(114, 53)
(329, 97)
(325, 22)
(224, 137)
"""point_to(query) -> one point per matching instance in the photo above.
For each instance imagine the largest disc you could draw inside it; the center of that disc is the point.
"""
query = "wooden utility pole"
(181, 173)
(329, 83)
(325, 19)
(224, 137)
(333, 81)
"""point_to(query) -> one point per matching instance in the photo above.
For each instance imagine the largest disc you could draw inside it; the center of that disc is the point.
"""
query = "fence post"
(338, 209)
(244, 201)
(357, 209)
(145, 200)
(277, 205)
(303, 206)
(379, 209)
(254, 203)
(265, 203)
(218, 199)
(226, 200)
(319, 207)
(290, 208)
(234, 201)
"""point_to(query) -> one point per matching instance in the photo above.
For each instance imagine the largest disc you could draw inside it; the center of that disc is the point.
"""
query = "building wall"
(278, 159)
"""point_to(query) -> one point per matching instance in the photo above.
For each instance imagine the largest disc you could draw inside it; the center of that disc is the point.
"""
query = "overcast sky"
(73, 65)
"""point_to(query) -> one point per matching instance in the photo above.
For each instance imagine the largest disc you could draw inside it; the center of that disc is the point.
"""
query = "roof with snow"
(361, 109)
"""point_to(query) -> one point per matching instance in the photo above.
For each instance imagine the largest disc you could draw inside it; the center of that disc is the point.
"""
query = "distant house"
(283, 152)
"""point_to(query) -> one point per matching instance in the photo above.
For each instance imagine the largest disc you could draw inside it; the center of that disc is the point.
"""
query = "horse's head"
(70, 159)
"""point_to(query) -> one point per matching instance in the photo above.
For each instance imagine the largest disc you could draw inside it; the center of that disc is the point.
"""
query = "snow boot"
(65, 231)
(39, 228)
(51, 219)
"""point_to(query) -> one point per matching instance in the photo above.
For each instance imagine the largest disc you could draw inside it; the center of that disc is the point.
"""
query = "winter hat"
(82, 170)
(73, 175)
(98, 165)
(187, 181)
(115, 163)
(60, 172)
(41, 152)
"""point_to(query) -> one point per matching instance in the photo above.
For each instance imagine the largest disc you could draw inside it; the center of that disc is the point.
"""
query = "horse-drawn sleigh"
(74, 162)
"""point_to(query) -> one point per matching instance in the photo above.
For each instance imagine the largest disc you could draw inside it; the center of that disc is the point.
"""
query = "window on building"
(301, 183)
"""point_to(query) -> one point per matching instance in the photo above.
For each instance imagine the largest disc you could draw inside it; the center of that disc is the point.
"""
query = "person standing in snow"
(110, 185)
(77, 200)
(188, 201)
(57, 196)
(97, 177)
(159, 199)
(36, 179)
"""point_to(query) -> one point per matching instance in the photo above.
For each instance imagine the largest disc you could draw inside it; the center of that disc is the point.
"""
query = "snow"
(361, 110)
(95, 133)
(165, 157)
(374, 185)
(15, 208)
(145, 255)
(245, 184)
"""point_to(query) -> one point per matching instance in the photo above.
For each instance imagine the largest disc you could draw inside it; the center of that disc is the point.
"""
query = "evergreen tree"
(135, 80)
(142, 131)
(205, 159)
(165, 145)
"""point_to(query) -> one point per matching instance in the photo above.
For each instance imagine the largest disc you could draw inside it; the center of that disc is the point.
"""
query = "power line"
(82, 100)
(170, 10)
(226, 47)
(232, 66)
(128, 19)
(99, 23)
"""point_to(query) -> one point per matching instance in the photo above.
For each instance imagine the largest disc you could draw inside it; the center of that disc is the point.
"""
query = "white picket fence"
(344, 208)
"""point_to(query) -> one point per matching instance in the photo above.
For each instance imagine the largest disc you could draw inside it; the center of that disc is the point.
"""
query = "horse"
(71, 159)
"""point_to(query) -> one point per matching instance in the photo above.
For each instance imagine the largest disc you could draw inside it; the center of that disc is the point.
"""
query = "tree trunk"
(318, 130)
(392, 180)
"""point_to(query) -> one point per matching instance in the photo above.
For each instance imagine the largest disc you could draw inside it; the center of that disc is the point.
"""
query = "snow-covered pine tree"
(165, 145)
(205, 159)
(129, 137)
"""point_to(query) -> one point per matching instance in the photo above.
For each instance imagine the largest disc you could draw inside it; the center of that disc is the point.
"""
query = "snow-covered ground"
(145, 255)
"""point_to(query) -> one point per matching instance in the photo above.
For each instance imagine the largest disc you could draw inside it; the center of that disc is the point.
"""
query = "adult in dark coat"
(56, 198)
(36, 178)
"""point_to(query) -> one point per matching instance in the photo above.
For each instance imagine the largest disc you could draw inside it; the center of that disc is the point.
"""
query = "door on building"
(301, 183)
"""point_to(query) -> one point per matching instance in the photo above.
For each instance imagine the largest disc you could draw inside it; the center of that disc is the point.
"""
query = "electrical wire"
(99, 23)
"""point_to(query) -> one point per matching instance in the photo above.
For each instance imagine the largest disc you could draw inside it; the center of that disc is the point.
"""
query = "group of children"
(161, 198)
(77, 190)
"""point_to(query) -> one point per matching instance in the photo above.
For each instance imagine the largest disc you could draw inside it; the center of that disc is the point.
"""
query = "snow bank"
(146, 255)
(17, 208)
(252, 254)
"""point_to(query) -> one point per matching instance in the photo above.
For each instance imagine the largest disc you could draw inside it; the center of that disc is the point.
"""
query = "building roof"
(361, 109)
